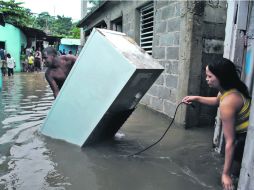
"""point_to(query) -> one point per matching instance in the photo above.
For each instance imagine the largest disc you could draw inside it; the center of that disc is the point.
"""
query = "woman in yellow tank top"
(234, 105)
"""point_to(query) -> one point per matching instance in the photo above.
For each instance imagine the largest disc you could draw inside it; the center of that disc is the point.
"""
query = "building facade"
(68, 44)
(12, 39)
(183, 36)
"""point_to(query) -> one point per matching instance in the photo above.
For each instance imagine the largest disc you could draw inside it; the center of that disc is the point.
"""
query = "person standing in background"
(2, 61)
(10, 64)
(30, 62)
(37, 60)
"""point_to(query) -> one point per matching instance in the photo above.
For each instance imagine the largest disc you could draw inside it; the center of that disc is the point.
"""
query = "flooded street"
(31, 161)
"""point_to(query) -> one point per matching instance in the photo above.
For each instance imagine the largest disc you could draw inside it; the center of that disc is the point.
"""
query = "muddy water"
(30, 161)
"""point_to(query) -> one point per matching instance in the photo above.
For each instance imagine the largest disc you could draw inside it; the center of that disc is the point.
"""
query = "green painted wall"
(13, 38)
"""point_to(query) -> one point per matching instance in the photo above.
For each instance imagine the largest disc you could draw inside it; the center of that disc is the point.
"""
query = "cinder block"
(110, 76)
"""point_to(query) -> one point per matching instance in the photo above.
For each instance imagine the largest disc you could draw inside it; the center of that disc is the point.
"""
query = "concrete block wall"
(163, 94)
(203, 43)
(184, 40)
(214, 23)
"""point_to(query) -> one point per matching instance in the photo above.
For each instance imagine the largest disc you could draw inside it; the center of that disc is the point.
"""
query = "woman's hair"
(8, 55)
(226, 73)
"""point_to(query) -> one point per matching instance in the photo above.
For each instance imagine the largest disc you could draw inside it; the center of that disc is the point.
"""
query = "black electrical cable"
(143, 150)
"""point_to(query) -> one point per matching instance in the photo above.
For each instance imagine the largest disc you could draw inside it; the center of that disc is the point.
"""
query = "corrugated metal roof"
(70, 41)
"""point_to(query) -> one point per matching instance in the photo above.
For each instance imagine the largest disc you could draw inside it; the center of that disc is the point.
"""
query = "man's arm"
(52, 83)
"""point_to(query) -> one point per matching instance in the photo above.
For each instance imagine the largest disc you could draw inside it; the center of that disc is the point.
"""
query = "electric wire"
(143, 150)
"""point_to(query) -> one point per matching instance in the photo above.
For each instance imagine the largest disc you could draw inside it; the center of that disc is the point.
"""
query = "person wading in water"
(58, 68)
(234, 104)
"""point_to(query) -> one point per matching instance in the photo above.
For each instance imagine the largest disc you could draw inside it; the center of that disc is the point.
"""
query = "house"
(68, 44)
(12, 39)
(182, 35)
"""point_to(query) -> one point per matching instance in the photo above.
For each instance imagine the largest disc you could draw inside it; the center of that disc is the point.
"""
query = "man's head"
(49, 54)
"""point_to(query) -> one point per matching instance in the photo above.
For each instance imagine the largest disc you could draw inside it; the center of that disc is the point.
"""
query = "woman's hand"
(227, 182)
(189, 99)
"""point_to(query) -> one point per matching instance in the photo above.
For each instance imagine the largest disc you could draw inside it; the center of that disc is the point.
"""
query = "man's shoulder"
(68, 59)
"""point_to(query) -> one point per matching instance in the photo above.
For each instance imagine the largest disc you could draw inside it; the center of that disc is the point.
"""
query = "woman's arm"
(212, 101)
(228, 109)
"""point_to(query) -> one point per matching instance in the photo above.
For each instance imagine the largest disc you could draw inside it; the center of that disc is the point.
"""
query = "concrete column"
(185, 56)
(83, 13)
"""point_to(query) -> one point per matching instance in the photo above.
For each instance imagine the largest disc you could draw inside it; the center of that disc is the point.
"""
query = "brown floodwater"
(183, 160)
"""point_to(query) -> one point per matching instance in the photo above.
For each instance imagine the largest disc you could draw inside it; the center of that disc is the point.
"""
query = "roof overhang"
(52, 39)
(32, 32)
(82, 22)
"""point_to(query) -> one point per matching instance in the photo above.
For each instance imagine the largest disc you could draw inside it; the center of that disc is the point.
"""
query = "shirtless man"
(58, 68)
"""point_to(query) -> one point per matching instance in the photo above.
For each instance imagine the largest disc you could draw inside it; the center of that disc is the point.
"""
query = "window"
(146, 27)
(117, 24)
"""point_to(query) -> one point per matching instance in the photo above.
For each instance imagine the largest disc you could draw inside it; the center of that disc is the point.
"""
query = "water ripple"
(27, 161)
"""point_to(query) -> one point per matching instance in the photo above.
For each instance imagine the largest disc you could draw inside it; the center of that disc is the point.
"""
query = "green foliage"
(22, 57)
(59, 26)
(62, 25)
(75, 31)
(42, 21)
(15, 14)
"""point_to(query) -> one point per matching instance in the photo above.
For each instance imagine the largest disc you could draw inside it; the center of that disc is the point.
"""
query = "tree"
(43, 21)
(62, 25)
(75, 31)
(15, 14)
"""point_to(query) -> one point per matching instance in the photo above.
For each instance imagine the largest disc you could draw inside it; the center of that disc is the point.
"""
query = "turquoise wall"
(67, 48)
(13, 38)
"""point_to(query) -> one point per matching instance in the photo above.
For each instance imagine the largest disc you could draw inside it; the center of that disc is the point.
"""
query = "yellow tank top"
(242, 117)
(30, 60)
